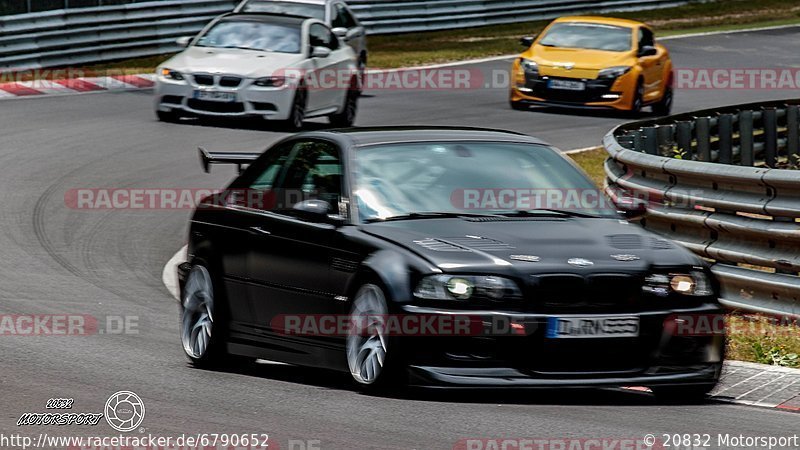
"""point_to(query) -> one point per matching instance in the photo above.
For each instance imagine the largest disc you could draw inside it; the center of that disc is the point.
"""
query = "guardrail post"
(650, 140)
(792, 123)
(666, 140)
(746, 138)
(770, 119)
(684, 139)
(725, 132)
(703, 130)
(638, 143)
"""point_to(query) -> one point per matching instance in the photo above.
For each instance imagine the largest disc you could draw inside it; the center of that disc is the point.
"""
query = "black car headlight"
(171, 74)
(614, 72)
(694, 283)
(270, 82)
(466, 287)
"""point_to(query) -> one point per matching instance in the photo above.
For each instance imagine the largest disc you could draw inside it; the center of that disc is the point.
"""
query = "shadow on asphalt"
(250, 124)
(544, 396)
(599, 113)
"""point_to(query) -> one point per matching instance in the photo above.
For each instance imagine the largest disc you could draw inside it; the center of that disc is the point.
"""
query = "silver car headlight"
(270, 82)
(172, 74)
(614, 72)
(695, 284)
(465, 287)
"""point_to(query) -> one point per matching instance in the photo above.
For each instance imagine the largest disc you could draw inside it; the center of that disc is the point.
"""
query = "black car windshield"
(253, 35)
(310, 10)
(419, 180)
(589, 36)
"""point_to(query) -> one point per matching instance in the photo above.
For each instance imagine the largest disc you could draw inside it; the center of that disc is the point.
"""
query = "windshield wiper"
(246, 48)
(428, 215)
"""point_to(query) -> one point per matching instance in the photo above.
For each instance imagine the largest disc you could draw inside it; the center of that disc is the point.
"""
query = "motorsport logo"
(124, 411)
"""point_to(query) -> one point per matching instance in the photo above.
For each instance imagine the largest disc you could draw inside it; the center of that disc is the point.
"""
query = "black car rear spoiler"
(208, 158)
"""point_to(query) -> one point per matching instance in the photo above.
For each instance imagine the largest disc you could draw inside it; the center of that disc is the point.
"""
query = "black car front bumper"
(530, 359)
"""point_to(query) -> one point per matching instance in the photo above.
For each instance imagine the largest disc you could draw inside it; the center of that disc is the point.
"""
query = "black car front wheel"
(368, 345)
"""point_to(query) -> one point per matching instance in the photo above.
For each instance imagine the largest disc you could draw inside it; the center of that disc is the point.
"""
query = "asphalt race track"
(55, 259)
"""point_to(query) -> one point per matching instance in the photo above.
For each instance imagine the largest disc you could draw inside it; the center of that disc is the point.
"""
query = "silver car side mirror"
(320, 52)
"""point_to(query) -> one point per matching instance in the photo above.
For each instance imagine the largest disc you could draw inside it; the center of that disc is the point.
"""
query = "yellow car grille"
(560, 71)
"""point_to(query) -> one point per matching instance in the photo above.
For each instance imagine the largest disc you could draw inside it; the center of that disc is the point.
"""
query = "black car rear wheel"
(204, 323)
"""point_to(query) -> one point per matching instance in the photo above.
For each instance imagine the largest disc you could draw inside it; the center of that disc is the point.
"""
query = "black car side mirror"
(313, 207)
(317, 211)
(527, 41)
(647, 50)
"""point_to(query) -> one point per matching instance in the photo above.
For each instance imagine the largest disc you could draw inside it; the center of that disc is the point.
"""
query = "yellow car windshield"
(588, 36)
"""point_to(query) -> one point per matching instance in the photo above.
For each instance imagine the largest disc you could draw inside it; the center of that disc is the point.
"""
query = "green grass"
(453, 45)
(751, 338)
(757, 339)
(414, 49)
(592, 163)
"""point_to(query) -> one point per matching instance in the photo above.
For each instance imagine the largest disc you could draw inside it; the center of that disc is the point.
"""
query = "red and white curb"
(76, 85)
(760, 385)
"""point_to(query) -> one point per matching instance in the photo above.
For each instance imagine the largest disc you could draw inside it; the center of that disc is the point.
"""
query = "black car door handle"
(259, 230)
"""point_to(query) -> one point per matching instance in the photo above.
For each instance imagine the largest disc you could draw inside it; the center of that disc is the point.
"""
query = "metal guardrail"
(383, 17)
(71, 36)
(68, 37)
(726, 198)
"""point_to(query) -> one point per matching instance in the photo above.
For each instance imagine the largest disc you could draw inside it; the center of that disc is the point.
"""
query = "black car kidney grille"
(204, 80)
(577, 294)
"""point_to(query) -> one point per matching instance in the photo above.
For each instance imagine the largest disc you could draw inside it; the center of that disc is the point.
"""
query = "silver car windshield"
(253, 35)
(396, 180)
(314, 11)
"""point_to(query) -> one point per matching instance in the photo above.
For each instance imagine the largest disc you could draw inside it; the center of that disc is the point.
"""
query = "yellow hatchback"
(593, 62)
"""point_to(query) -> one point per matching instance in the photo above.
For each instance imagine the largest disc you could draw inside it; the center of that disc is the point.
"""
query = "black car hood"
(533, 245)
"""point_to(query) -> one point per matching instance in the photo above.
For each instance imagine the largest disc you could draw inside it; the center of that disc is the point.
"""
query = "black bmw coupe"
(442, 256)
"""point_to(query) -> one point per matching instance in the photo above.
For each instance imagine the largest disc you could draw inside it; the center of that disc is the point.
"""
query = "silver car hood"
(231, 61)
